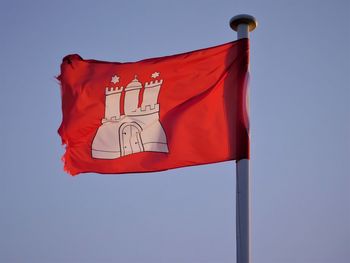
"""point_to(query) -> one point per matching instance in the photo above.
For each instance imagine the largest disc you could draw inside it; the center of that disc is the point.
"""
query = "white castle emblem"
(138, 129)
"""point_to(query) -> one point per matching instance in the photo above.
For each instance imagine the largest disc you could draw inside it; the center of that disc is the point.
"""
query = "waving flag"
(155, 114)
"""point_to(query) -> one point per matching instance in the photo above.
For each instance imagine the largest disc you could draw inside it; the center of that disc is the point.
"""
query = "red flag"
(155, 114)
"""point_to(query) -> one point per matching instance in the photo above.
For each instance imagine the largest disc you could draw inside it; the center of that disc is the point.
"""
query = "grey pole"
(243, 24)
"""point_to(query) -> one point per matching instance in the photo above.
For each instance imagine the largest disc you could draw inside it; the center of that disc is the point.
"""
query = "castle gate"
(130, 139)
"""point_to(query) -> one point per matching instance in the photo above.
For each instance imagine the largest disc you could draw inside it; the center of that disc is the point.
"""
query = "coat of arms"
(137, 129)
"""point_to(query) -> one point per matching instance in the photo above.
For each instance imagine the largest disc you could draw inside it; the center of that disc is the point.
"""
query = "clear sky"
(300, 132)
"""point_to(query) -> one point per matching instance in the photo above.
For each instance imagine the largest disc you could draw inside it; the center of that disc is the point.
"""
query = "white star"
(155, 75)
(115, 79)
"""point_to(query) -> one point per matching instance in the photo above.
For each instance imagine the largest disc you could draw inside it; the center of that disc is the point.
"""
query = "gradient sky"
(300, 130)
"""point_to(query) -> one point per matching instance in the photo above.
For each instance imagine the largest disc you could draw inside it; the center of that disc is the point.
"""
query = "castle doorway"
(130, 139)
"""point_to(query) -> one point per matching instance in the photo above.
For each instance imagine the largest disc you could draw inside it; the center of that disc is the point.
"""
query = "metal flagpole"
(243, 24)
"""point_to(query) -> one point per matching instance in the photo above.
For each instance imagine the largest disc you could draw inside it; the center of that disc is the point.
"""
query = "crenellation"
(145, 110)
(111, 90)
(149, 107)
(153, 83)
(111, 119)
(115, 118)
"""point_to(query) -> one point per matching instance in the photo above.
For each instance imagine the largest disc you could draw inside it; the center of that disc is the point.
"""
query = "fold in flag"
(155, 114)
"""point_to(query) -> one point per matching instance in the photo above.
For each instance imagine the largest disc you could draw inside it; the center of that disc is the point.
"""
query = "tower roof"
(134, 84)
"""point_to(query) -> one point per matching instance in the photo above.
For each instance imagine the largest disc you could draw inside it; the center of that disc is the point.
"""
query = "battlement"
(111, 90)
(150, 107)
(153, 83)
(112, 119)
(145, 110)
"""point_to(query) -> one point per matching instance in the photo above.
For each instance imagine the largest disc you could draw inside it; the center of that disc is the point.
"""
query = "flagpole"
(243, 24)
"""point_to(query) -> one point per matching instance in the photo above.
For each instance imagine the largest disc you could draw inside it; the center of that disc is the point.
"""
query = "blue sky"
(300, 144)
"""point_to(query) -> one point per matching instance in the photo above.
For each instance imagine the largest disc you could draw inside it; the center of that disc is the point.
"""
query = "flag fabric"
(155, 114)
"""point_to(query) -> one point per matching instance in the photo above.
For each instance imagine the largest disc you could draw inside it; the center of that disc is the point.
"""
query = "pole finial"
(243, 19)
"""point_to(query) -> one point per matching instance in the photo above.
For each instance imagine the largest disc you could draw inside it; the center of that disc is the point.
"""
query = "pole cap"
(243, 19)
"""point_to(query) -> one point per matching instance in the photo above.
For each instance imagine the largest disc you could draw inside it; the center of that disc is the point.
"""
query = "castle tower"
(150, 95)
(132, 92)
(112, 103)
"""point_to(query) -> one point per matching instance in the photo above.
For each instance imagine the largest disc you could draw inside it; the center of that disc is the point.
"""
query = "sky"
(300, 137)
